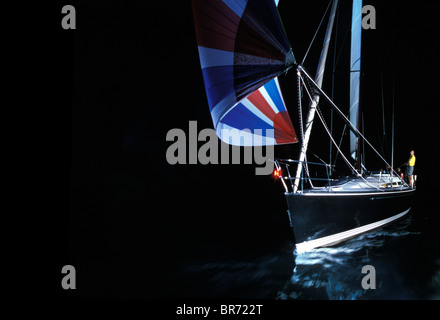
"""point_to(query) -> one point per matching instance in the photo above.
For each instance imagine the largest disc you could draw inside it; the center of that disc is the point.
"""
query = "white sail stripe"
(269, 100)
(210, 57)
(252, 108)
(279, 90)
(249, 138)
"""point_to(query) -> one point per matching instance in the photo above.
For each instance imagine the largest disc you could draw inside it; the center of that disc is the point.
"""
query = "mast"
(355, 72)
(333, 88)
(315, 99)
(392, 130)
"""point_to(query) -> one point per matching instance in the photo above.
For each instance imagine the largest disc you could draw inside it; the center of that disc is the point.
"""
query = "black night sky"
(132, 217)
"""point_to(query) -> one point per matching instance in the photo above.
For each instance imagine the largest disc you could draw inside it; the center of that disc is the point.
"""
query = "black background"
(130, 73)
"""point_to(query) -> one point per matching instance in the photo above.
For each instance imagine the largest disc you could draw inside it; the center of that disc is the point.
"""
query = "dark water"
(406, 268)
(405, 256)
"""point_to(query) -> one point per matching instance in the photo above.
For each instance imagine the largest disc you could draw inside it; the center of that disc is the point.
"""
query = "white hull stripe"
(338, 237)
(336, 193)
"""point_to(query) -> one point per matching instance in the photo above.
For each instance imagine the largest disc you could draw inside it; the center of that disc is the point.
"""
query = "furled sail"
(243, 48)
(355, 71)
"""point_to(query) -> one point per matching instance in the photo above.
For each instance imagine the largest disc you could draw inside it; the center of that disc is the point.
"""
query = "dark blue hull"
(326, 218)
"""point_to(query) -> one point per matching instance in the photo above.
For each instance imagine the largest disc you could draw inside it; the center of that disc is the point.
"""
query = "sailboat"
(243, 49)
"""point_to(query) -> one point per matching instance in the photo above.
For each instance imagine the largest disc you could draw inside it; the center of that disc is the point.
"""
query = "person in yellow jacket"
(410, 168)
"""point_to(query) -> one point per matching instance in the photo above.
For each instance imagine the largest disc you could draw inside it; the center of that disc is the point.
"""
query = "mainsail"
(355, 71)
(243, 48)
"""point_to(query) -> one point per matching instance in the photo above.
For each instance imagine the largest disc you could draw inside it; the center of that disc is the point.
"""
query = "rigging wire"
(334, 142)
(300, 106)
(343, 156)
(316, 32)
(352, 127)
(320, 116)
(340, 142)
(325, 126)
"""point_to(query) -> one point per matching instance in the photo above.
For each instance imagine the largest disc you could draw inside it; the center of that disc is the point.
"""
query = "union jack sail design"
(243, 48)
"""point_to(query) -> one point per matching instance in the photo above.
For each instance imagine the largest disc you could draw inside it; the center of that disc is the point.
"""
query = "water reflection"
(335, 272)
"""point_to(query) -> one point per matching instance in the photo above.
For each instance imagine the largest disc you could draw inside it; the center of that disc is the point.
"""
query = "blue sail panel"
(219, 83)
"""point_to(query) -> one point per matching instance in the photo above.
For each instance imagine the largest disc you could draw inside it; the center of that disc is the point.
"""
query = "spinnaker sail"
(243, 48)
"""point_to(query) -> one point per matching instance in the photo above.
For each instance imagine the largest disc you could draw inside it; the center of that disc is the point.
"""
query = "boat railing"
(385, 179)
(283, 171)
